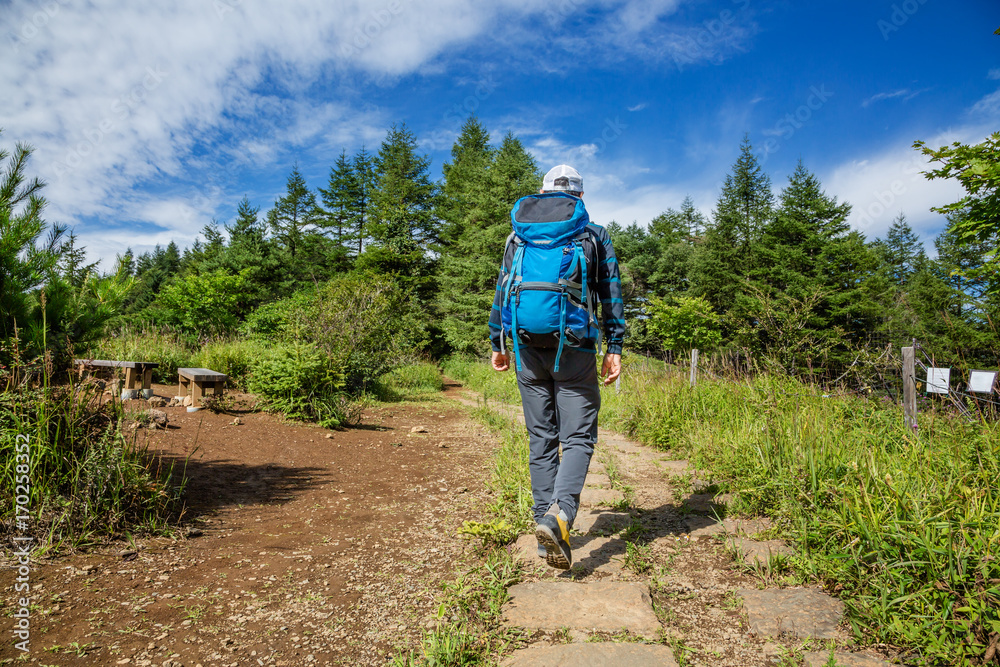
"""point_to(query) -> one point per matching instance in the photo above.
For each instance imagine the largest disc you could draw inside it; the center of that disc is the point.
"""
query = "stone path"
(657, 562)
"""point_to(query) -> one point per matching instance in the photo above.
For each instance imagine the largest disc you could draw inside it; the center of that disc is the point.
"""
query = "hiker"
(556, 267)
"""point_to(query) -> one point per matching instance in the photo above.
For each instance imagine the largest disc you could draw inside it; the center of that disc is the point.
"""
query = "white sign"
(981, 382)
(938, 380)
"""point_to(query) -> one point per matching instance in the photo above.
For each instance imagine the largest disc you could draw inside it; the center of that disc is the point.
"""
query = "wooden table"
(203, 379)
(137, 373)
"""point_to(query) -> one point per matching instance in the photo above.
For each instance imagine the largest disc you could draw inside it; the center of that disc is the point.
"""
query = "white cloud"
(638, 107)
(890, 179)
(178, 97)
(905, 93)
(994, 74)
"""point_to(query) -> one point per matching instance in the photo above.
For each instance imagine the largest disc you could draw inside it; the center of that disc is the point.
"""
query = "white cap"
(563, 177)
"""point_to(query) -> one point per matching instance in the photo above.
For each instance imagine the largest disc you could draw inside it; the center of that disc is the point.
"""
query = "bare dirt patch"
(299, 545)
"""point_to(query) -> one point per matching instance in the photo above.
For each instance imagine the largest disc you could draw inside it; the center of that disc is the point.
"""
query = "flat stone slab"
(707, 526)
(677, 467)
(595, 480)
(605, 654)
(590, 554)
(799, 612)
(758, 553)
(702, 503)
(597, 554)
(843, 659)
(600, 522)
(603, 606)
(596, 497)
(526, 548)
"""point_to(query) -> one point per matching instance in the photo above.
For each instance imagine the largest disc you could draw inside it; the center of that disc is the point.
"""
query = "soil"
(298, 545)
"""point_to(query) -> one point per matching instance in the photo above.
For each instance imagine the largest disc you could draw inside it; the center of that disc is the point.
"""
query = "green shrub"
(203, 304)
(357, 322)
(279, 320)
(298, 380)
(236, 358)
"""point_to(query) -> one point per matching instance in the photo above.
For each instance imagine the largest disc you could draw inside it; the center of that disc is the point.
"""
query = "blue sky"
(150, 121)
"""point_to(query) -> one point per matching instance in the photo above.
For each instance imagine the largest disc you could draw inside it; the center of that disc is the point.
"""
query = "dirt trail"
(302, 546)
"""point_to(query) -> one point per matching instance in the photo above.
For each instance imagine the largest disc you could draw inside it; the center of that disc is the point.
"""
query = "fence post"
(694, 367)
(909, 389)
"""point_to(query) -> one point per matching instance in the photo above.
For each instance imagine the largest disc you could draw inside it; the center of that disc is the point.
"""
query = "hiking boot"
(553, 534)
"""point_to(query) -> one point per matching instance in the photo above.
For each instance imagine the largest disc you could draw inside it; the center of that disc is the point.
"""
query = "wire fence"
(873, 373)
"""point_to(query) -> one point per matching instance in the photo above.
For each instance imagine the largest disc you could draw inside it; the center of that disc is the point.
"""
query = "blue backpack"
(546, 299)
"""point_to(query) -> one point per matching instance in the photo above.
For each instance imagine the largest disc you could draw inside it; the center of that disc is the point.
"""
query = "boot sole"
(555, 555)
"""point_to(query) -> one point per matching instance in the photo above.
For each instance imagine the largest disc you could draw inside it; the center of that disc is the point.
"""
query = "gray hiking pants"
(559, 407)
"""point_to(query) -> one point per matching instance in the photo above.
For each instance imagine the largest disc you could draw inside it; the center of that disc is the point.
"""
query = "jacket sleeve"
(609, 290)
(496, 331)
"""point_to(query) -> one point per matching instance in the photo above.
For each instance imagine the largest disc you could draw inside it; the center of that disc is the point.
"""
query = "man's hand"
(611, 368)
(500, 361)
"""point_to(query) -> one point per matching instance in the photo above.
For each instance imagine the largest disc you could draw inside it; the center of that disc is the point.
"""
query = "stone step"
(591, 497)
(758, 553)
(605, 606)
(604, 654)
(707, 526)
(590, 554)
(598, 481)
(796, 611)
(600, 522)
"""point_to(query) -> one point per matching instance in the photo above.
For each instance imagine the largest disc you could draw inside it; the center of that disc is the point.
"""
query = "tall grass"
(89, 478)
(167, 348)
(906, 526)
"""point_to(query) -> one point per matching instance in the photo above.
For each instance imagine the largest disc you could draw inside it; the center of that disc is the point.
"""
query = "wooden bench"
(203, 379)
(137, 374)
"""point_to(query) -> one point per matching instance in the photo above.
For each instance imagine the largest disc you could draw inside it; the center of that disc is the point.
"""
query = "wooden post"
(694, 367)
(909, 389)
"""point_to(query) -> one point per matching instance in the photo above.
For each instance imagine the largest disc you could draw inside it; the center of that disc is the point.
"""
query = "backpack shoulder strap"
(512, 240)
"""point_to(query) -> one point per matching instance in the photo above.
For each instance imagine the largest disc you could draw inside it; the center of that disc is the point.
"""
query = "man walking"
(556, 266)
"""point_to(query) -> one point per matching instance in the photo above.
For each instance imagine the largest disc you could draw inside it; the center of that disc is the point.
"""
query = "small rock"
(237, 421)
(175, 401)
(129, 555)
(157, 401)
(329, 436)
(195, 532)
(443, 446)
(188, 401)
(158, 419)
(419, 429)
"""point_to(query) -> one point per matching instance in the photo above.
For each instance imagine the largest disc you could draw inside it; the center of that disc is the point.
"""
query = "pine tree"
(729, 252)
(902, 251)
(471, 261)
(364, 187)
(294, 215)
(339, 198)
(403, 201)
(253, 256)
(793, 242)
(464, 177)
(73, 262)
